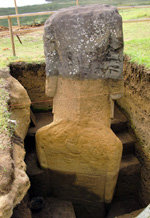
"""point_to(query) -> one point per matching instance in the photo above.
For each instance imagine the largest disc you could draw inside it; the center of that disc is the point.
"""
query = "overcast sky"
(10, 3)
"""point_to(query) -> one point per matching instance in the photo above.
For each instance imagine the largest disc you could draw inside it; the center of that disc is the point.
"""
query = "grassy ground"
(137, 42)
(30, 50)
(136, 36)
(139, 51)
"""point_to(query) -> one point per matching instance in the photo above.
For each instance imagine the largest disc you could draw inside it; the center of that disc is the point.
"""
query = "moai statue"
(84, 63)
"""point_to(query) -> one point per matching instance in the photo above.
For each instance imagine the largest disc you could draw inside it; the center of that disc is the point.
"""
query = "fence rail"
(27, 15)
(131, 7)
(9, 17)
(136, 20)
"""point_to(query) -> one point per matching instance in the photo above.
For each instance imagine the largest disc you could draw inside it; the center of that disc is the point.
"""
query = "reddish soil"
(4, 31)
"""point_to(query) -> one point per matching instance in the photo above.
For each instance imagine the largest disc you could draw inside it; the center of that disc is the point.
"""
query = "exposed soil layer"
(32, 77)
(136, 104)
(4, 31)
(3, 28)
(22, 210)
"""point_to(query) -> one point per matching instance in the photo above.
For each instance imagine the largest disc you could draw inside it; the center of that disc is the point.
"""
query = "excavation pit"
(130, 170)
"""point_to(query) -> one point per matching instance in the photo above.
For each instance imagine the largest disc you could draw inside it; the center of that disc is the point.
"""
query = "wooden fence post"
(11, 36)
(18, 20)
(77, 2)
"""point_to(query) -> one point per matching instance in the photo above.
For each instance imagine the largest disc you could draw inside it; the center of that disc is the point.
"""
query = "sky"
(10, 3)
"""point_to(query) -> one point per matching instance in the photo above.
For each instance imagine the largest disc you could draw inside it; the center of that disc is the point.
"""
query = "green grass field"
(136, 35)
(30, 50)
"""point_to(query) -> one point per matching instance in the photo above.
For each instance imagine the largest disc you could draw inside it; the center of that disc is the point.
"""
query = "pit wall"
(32, 77)
(14, 124)
(136, 104)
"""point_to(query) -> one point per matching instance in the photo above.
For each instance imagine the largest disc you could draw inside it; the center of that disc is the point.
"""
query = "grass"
(136, 35)
(4, 114)
(137, 42)
(135, 13)
(30, 50)
(138, 50)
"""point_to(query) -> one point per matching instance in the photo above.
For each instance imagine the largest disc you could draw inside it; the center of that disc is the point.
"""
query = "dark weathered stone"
(78, 147)
(84, 42)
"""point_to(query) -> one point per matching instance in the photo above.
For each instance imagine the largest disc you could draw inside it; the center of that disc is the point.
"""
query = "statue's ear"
(51, 85)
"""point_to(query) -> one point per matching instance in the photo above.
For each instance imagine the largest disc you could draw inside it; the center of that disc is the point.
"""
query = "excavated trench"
(126, 195)
(40, 198)
(44, 203)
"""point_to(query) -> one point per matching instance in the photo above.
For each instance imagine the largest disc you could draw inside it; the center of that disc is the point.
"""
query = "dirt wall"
(136, 103)
(32, 77)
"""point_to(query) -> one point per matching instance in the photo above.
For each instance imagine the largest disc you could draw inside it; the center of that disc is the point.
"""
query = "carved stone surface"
(83, 48)
(78, 146)
(84, 42)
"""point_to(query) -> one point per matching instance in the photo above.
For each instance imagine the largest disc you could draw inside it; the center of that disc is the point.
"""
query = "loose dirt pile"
(4, 31)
